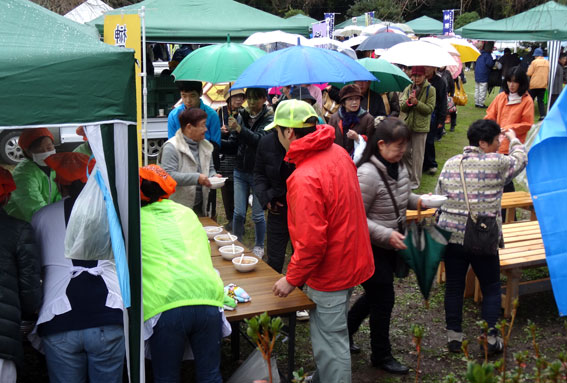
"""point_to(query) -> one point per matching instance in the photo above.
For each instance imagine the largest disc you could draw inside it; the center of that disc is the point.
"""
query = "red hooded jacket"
(326, 217)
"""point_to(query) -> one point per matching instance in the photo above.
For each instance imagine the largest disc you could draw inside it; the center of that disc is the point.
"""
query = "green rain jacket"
(418, 117)
(34, 190)
(177, 269)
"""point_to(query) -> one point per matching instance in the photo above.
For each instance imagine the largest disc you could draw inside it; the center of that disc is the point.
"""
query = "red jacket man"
(328, 230)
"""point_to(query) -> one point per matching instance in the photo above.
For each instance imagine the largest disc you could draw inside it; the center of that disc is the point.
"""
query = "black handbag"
(481, 232)
(401, 268)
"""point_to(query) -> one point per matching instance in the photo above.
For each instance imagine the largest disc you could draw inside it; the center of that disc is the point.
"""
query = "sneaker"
(495, 345)
(258, 251)
(302, 315)
(431, 171)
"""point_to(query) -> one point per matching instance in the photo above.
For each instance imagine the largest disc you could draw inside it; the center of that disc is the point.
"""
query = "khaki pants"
(413, 159)
(329, 335)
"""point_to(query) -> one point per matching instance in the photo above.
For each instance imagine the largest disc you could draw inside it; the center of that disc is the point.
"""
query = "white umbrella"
(334, 45)
(354, 41)
(377, 28)
(443, 44)
(415, 53)
(349, 30)
(275, 40)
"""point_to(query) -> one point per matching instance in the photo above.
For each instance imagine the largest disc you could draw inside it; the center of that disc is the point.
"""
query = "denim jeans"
(94, 354)
(487, 270)
(329, 335)
(202, 327)
(243, 184)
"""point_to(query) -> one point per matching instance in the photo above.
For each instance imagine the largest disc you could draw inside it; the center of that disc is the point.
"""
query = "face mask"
(39, 158)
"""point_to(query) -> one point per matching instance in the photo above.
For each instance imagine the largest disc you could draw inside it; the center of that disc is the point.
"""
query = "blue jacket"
(213, 123)
(484, 64)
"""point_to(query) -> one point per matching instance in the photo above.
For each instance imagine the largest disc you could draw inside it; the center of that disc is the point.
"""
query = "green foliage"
(465, 18)
(293, 12)
(383, 9)
(299, 376)
(481, 373)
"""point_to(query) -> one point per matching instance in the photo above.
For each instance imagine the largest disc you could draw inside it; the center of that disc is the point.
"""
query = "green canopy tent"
(425, 25)
(201, 21)
(360, 20)
(546, 22)
(302, 20)
(56, 72)
(473, 24)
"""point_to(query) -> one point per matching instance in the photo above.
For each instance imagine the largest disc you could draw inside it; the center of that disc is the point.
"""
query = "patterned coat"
(485, 176)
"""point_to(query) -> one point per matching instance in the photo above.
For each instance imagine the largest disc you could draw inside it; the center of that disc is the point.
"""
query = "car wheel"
(154, 146)
(10, 151)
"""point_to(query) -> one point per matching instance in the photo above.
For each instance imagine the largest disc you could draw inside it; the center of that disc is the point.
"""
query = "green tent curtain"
(476, 23)
(56, 72)
(546, 22)
(203, 21)
(425, 25)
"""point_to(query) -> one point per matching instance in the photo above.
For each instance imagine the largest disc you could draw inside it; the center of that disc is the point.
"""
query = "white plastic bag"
(359, 146)
(255, 368)
(88, 236)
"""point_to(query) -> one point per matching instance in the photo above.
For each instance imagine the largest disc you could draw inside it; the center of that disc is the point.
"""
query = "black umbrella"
(382, 40)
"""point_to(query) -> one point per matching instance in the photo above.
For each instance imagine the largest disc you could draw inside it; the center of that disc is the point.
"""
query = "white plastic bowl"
(217, 182)
(433, 200)
(226, 252)
(249, 263)
(225, 239)
(212, 231)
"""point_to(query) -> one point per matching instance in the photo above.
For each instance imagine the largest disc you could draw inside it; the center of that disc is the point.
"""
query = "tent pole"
(144, 86)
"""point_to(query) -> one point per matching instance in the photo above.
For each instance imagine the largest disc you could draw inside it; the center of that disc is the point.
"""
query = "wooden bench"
(523, 249)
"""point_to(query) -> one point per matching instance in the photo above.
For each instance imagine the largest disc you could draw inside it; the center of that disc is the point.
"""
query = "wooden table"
(258, 284)
(510, 202)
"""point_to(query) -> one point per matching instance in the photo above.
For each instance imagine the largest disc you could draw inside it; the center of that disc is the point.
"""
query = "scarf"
(349, 119)
(391, 168)
(514, 98)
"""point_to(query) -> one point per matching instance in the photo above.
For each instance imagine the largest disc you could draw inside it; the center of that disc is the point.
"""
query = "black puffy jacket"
(247, 140)
(20, 288)
(271, 171)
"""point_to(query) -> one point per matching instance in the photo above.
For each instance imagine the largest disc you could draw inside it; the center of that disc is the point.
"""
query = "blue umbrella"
(301, 65)
(382, 40)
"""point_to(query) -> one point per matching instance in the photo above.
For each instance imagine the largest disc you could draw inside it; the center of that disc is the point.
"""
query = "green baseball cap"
(293, 114)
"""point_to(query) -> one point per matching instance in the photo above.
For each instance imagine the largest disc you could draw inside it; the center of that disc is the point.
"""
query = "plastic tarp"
(56, 71)
(545, 22)
(203, 21)
(425, 25)
(89, 10)
(547, 161)
(476, 23)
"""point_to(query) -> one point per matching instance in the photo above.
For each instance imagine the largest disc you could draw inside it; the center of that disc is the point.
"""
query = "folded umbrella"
(426, 245)
(302, 65)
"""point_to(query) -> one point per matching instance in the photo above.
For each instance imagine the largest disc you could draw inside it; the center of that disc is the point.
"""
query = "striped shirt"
(485, 176)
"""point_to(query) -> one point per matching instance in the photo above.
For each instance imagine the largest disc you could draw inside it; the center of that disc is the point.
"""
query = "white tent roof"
(89, 10)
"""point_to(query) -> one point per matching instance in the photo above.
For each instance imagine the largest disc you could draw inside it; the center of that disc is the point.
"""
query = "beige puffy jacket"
(539, 73)
(380, 212)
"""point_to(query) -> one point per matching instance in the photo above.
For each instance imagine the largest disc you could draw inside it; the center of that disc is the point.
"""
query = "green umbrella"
(425, 248)
(391, 78)
(217, 63)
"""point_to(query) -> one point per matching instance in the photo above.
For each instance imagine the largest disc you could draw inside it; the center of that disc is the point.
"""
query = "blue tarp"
(547, 177)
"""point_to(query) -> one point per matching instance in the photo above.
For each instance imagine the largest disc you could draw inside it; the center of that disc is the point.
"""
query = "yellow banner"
(126, 31)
